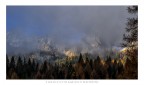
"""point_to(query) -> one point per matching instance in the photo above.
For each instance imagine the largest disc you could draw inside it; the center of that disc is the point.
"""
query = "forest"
(82, 69)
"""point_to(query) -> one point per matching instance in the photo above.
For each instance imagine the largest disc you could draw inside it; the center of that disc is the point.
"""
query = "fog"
(83, 28)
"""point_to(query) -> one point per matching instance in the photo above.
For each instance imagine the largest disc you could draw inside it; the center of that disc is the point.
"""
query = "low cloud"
(68, 26)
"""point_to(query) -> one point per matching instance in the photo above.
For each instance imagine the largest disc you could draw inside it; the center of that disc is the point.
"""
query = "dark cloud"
(66, 25)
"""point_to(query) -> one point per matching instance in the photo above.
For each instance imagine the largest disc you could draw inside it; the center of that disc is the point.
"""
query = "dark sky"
(65, 25)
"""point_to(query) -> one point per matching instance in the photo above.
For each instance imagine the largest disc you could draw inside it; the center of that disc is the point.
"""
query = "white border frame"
(3, 4)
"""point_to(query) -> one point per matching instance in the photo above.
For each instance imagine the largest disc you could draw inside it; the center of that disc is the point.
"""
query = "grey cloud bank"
(67, 26)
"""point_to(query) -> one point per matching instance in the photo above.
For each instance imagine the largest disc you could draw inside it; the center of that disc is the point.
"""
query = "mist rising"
(79, 28)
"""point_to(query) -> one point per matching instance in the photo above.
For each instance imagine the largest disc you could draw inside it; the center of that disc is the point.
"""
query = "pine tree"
(33, 66)
(130, 38)
(120, 68)
(131, 41)
(19, 62)
(19, 67)
(29, 62)
(24, 63)
(87, 70)
(25, 66)
(80, 59)
(70, 69)
(44, 67)
(29, 69)
(98, 59)
(12, 63)
(7, 63)
(87, 60)
(91, 63)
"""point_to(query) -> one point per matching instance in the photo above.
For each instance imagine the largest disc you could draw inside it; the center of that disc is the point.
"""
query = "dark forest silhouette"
(88, 69)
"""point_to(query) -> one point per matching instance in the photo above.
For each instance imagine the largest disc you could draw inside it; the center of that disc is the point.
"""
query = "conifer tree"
(19, 67)
(80, 59)
(7, 64)
(131, 40)
(12, 63)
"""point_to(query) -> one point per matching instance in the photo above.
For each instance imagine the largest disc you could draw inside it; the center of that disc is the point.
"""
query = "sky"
(66, 26)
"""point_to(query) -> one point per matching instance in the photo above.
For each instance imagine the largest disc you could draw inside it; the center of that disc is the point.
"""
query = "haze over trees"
(82, 69)
(50, 63)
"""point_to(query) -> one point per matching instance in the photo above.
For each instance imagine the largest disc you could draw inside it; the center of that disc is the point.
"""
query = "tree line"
(82, 69)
